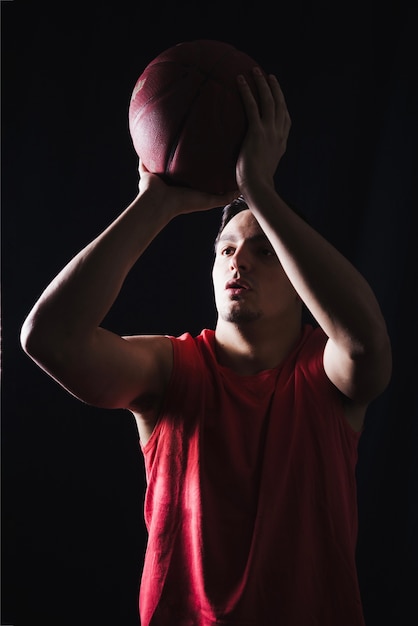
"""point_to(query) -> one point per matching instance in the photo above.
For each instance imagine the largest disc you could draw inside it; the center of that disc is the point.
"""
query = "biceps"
(110, 371)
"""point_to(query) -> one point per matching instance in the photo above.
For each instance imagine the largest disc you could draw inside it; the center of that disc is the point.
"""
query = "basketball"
(186, 117)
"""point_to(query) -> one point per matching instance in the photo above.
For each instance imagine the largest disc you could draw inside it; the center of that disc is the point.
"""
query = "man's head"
(249, 281)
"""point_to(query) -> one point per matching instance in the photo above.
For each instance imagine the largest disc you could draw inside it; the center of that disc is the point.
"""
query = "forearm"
(336, 294)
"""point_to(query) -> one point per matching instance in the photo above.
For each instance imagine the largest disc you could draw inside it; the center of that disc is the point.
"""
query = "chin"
(240, 315)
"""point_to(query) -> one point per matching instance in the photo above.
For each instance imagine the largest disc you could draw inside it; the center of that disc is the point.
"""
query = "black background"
(72, 476)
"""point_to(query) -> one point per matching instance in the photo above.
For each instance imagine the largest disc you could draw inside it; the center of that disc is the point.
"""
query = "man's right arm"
(63, 332)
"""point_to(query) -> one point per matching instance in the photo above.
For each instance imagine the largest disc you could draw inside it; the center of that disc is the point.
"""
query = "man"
(249, 431)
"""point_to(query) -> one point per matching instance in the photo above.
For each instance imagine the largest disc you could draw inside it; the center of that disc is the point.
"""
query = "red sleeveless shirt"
(250, 506)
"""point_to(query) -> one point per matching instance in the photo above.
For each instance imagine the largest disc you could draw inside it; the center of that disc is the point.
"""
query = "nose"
(240, 260)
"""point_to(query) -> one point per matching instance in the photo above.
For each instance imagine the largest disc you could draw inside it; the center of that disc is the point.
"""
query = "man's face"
(248, 279)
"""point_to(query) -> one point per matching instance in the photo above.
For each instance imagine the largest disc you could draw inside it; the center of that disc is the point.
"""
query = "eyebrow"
(254, 239)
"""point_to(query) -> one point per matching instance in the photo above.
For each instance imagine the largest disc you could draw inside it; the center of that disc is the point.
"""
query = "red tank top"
(250, 505)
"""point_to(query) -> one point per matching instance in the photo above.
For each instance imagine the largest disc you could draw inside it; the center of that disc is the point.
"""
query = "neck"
(251, 348)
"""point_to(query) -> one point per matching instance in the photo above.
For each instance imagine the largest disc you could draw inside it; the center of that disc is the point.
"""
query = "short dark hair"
(228, 212)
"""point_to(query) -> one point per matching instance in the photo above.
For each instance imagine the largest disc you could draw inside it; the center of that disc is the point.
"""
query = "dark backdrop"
(72, 476)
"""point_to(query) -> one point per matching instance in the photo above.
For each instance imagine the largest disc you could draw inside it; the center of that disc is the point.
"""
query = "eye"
(227, 251)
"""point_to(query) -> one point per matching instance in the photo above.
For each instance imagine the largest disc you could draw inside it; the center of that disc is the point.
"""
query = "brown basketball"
(186, 117)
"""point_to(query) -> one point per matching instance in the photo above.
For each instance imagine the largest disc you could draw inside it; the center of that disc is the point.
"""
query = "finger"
(282, 113)
(265, 96)
(248, 99)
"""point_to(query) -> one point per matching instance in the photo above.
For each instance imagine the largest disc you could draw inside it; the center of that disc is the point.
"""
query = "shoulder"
(188, 348)
(179, 369)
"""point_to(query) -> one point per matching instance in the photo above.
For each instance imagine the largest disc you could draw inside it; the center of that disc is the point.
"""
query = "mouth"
(236, 287)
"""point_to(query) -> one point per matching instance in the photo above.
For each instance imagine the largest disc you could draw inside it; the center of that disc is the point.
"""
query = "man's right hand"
(181, 200)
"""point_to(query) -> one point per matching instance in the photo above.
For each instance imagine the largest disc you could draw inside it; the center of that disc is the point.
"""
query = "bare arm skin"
(357, 356)
(62, 332)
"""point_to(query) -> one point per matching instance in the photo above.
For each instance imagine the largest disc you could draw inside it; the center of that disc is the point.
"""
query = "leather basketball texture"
(186, 117)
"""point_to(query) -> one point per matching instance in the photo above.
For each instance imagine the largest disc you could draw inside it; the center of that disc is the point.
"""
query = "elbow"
(34, 338)
(28, 337)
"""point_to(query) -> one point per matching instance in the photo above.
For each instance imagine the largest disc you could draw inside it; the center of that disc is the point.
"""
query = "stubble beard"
(239, 314)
